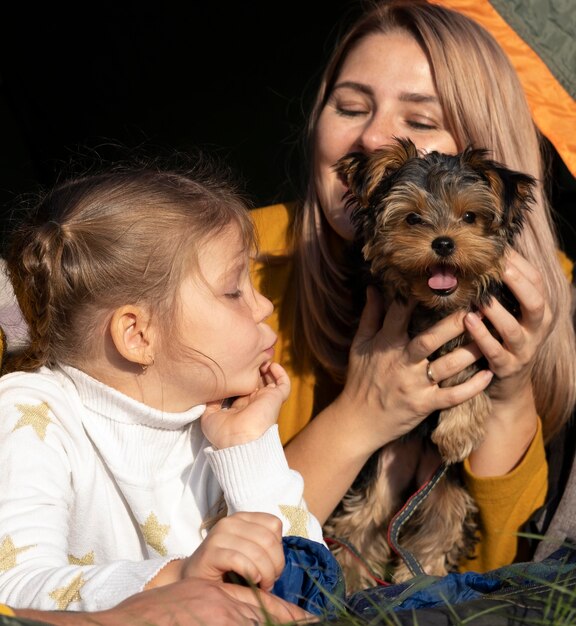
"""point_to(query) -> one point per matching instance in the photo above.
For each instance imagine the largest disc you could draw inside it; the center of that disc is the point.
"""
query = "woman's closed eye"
(416, 125)
(351, 112)
(234, 295)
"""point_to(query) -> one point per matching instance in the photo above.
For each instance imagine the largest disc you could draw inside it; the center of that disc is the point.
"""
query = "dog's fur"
(435, 228)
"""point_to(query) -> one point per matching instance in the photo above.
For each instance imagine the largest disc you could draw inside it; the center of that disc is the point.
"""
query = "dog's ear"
(364, 173)
(515, 190)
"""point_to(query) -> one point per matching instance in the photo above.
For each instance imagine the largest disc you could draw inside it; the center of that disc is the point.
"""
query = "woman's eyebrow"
(350, 84)
(407, 96)
(418, 97)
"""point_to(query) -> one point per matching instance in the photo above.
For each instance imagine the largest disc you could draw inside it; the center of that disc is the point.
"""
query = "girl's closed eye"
(234, 295)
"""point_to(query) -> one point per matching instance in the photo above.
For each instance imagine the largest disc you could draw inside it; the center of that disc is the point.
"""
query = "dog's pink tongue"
(442, 278)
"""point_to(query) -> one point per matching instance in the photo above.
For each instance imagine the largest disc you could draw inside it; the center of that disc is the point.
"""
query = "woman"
(417, 70)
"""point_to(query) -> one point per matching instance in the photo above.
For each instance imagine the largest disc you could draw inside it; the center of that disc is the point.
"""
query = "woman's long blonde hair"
(484, 105)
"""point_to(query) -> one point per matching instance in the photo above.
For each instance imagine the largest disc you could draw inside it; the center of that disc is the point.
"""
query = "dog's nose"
(443, 246)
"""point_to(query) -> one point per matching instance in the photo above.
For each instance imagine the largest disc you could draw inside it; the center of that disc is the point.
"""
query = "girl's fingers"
(245, 557)
(278, 376)
(249, 561)
(263, 530)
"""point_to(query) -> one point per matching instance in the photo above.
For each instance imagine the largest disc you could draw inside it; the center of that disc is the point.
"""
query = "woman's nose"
(379, 131)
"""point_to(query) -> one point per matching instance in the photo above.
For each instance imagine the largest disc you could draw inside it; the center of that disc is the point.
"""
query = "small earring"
(146, 365)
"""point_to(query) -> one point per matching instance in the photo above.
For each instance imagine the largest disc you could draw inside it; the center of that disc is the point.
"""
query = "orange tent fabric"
(553, 108)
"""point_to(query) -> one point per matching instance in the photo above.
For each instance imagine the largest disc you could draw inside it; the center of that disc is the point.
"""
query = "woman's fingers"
(520, 337)
(447, 397)
(371, 318)
(433, 338)
(265, 606)
(454, 362)
(396, 322)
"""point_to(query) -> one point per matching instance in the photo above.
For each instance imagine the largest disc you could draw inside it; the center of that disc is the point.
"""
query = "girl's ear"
(133, 334)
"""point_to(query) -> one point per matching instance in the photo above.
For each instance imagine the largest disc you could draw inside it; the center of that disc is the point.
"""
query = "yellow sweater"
(505, 502)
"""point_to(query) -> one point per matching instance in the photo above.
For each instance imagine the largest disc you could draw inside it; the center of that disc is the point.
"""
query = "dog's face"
(434, 226)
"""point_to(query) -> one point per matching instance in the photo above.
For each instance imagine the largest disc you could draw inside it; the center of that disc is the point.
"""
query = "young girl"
(115, 447)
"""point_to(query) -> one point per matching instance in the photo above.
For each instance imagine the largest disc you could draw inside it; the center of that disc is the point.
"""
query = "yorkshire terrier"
(433, 228)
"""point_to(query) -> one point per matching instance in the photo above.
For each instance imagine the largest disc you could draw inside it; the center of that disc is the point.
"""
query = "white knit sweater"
(98, 491)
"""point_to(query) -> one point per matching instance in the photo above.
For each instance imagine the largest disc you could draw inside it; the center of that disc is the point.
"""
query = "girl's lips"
(269, 352)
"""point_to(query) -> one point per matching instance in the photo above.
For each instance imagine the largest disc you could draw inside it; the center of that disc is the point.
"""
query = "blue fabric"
(312, 578)
(424, 592)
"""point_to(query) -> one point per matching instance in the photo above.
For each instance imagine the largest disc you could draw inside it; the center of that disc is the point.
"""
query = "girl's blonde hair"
(484, 105)
(124, 234)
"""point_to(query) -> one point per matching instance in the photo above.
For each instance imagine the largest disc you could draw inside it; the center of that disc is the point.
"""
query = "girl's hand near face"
(514, 417)
(248, 417)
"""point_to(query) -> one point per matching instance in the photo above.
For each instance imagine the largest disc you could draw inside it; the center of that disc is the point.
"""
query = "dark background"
(229, 77)
(233, 78)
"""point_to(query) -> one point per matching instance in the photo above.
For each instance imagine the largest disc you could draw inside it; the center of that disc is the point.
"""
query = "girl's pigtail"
(34, 264)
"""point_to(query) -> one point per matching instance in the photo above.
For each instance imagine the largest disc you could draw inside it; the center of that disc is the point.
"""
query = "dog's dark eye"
(413, 218)
(469, 217)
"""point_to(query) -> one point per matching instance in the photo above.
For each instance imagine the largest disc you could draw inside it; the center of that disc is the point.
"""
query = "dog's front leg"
(461, 428)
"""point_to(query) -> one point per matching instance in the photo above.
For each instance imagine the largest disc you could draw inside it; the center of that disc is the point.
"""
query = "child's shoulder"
(42, 384)
(40, 399)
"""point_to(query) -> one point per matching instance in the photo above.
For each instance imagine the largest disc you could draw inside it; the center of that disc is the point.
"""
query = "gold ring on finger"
(429, 374)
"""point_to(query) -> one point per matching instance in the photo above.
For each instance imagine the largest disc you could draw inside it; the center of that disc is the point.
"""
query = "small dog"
(435, 228)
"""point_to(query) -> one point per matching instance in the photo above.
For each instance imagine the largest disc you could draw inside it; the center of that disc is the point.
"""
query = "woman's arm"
(191, 601)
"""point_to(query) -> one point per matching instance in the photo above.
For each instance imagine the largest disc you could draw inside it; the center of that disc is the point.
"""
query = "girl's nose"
(262, 307)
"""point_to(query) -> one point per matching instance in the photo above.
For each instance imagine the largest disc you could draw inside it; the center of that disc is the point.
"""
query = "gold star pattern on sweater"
(155, 533)
(87, 559)
(298, 519)
(8, 553)
(35, 415)
(64, 596)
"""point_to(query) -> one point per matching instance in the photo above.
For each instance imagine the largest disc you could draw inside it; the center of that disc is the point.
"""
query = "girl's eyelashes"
(234, 295)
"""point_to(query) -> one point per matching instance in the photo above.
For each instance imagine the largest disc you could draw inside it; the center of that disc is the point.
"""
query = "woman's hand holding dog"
(387, 380)
(513, 421)
(387, 393)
